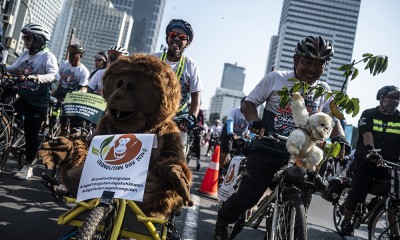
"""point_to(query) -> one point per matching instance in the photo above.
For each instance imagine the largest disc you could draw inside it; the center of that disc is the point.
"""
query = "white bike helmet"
(36, 29)
(119, 49)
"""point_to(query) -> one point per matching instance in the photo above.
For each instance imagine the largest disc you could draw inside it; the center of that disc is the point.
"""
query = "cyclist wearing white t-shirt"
(72, 76)
(266, 157)
(179, 35)
(37, 67)
(95, 84)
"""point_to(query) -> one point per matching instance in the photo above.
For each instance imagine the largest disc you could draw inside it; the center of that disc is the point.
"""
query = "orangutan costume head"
(143, 88)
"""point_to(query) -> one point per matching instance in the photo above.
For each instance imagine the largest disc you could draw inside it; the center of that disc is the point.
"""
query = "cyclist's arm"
(195, 104)
(250, 111)
(337, 130)
(368, 139)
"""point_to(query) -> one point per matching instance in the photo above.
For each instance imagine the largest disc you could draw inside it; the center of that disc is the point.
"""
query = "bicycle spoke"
(385, 224)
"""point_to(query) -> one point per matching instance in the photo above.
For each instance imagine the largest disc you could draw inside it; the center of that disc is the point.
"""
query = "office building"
(223, 101)
(98, 26)
(335, 20)
(233, 77)
(42, 12)
(147, 15)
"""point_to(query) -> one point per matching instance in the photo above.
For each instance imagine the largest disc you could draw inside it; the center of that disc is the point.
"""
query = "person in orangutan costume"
(142, 95)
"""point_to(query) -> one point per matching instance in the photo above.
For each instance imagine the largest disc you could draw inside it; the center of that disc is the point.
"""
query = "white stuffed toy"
(301, 143)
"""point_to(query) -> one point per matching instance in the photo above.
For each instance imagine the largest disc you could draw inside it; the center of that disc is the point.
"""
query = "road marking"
(190, 228)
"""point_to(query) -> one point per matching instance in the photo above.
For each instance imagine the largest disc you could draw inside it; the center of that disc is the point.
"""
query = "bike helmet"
(36, 29)
(315, 47)
(181, 24)
(385, 90)
(119, 49)
(78, 48)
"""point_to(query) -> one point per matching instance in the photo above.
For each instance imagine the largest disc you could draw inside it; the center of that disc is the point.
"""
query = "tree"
(341, 101)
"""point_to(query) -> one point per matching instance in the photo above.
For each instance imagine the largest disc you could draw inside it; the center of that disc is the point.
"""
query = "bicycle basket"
(379, 187)
(335, 188)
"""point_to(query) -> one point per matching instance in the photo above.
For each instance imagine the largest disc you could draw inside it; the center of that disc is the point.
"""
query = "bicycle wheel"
(101, 215)
(4, 141)
(338, 210)
(291, 221)
(384, 223)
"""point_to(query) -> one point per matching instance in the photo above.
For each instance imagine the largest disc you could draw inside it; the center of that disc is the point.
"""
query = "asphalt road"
(28, 211)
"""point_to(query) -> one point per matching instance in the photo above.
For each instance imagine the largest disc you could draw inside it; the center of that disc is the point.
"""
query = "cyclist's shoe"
(198, 167)
(221, 231)
(25, 173)
(347, 228)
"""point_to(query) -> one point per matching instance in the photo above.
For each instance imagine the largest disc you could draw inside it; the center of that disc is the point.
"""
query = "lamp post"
(10, 29)
(29, 11)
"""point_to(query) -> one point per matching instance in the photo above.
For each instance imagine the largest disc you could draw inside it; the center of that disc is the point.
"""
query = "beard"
(174, 53)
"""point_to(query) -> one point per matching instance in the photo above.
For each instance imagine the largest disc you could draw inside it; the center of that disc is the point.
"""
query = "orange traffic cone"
(209, 186)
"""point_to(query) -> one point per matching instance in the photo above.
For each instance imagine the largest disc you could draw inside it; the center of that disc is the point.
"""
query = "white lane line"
(190, 228)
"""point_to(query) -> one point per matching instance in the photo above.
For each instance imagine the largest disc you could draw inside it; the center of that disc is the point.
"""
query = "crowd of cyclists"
(379, 127)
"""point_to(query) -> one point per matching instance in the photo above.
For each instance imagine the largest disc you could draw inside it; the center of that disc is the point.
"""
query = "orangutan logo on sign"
(125, 148)
(230, 176)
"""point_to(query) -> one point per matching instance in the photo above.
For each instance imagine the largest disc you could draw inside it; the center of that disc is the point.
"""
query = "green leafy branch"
(341, 101)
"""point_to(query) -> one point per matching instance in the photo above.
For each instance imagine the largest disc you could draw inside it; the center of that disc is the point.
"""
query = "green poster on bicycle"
(85, 105)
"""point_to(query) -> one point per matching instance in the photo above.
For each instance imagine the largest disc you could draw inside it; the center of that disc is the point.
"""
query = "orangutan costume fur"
(142, 95)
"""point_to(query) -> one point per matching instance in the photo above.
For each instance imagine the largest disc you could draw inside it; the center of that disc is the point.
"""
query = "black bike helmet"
(315, 47)
(385, 90)
(181, 24)
(78, 47)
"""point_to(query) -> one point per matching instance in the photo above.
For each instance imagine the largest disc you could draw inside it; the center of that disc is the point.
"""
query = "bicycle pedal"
(49, 179)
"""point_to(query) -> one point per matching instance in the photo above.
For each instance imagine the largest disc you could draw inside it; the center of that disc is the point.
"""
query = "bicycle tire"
(97, 217)
(291, 213)
(338, 210)
(379, 227)
(5, 132)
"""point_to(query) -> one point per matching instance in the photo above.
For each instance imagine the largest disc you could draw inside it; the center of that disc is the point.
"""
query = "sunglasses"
(181, 36)
(99, 60)
(27, 38)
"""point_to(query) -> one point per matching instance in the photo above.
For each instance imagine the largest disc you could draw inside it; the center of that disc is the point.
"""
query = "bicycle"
(196, 130)
(382, 213)
(189, 145)
(286, 205)
(110, 218)
(113, 215)
(52, 181)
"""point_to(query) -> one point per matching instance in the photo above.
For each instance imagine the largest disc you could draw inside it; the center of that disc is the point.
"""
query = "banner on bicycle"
(117, 163)
(85, 105)
(228, 185)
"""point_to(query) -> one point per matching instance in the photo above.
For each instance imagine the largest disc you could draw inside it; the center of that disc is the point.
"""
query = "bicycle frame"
(71, 218)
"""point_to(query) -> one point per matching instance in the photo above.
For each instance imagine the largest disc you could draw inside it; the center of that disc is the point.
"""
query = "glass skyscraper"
(98, 26)
(233, 77)
(147, 16)
(334, 20)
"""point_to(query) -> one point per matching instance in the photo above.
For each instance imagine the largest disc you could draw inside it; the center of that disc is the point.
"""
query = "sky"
(237, 31)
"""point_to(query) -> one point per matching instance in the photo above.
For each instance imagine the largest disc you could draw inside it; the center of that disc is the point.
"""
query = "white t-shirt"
(215, 131)
(280, 120)
(71, 77)
(240, 124)
(190, 80)
(44, 64)
(96, 82)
